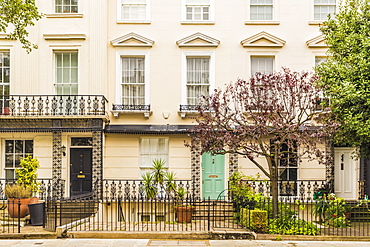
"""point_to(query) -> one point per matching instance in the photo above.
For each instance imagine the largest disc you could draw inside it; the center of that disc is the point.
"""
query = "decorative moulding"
(198, 40)
(3, 35)
(64, 36)
(317, 42)
(263, 39)
(64, 15)
(132, 39)
(261, 22)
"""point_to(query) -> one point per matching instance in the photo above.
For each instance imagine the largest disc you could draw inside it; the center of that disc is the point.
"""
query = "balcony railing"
(131, 109)
(54, 105)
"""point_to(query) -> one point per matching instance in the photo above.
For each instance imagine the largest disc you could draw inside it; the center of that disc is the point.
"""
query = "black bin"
(37, 213)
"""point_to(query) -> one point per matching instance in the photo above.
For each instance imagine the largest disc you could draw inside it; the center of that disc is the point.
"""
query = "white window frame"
(313, 10)
(3, 100)
(121, 54)
(212, 69)
(272, 12)
(211, 14)
(273, 21)
(78, 8)
(146, 166)
(4, 152)
(55, 67)
(261, 56)
(120, 19)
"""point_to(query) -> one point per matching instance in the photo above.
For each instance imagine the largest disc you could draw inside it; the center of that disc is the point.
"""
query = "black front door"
(81, 163)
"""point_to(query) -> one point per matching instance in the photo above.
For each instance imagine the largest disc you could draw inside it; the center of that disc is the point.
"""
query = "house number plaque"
(213, 176)
(81, 176)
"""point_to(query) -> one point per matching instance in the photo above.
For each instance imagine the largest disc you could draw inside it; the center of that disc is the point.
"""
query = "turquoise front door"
(213, 178)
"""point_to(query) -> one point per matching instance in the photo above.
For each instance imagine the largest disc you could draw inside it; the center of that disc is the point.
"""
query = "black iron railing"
(45, 192)
(194, 108)
(302, 189)
(54, 105)
(121, 107)
(113, 189)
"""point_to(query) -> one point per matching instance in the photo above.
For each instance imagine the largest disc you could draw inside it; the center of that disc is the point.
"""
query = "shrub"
(256, 220)
(17, 191)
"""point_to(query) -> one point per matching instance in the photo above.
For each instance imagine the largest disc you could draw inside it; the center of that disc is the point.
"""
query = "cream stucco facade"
(162, 36)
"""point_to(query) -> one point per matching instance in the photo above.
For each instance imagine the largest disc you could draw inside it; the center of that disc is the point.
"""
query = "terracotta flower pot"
(184, 214)
(15, 210)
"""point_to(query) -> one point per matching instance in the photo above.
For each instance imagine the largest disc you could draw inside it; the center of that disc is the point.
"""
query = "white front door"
(345, 174)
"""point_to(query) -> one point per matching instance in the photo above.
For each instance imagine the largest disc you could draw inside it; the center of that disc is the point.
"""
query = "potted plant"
(161, 180)
(18, 199)
(23, 191)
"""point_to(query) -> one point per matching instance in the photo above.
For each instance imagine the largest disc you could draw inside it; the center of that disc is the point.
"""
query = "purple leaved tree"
(277, 116)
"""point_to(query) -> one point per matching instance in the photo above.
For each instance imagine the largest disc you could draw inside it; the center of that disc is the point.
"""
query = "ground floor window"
(14, 151)
(151, 149)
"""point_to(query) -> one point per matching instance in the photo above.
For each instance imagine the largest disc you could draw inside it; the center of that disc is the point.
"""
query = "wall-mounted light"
(63, 148)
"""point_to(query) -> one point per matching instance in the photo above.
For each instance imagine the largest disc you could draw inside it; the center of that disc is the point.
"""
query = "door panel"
(345, 177)
(81, 171)
(213, 175)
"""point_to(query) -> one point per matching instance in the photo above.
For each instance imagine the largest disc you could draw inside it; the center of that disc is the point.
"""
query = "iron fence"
(45, 191)
(130, 213)
(297, 189)
(54, 105)
(113, 189)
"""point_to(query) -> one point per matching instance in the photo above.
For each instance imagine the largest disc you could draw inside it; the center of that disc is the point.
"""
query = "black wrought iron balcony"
(191, 110)
(54, 105)
(129, 109)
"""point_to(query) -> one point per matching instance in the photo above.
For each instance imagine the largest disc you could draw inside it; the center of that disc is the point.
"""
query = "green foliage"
(256, 220)
(160, 178)
(19, 14)
(345, 76)
(241, 191)
(27, 174)
(288, 223)
(17, 191)
(330, 211)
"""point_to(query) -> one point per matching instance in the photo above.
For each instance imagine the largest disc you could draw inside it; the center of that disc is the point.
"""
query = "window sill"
(116, 113)
(315, 22)
(198, 22)
(64, 15)
(134, 22)
(262, 22)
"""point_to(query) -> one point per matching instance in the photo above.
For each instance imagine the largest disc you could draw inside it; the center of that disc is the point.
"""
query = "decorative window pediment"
(198, 40)
(317, 42)
(132, 39)
(263, 39)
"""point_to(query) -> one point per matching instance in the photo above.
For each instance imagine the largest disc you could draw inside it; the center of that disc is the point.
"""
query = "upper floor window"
(66, 71)
(66, 6)
(262, 64)
(197, 78)
(134, 10)
(133, 80)
(197, 10)
(319, 60)
(322, 8)
(4, 81)
(261, 9)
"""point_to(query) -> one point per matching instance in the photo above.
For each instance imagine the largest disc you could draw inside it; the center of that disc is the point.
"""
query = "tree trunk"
(274, 192)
